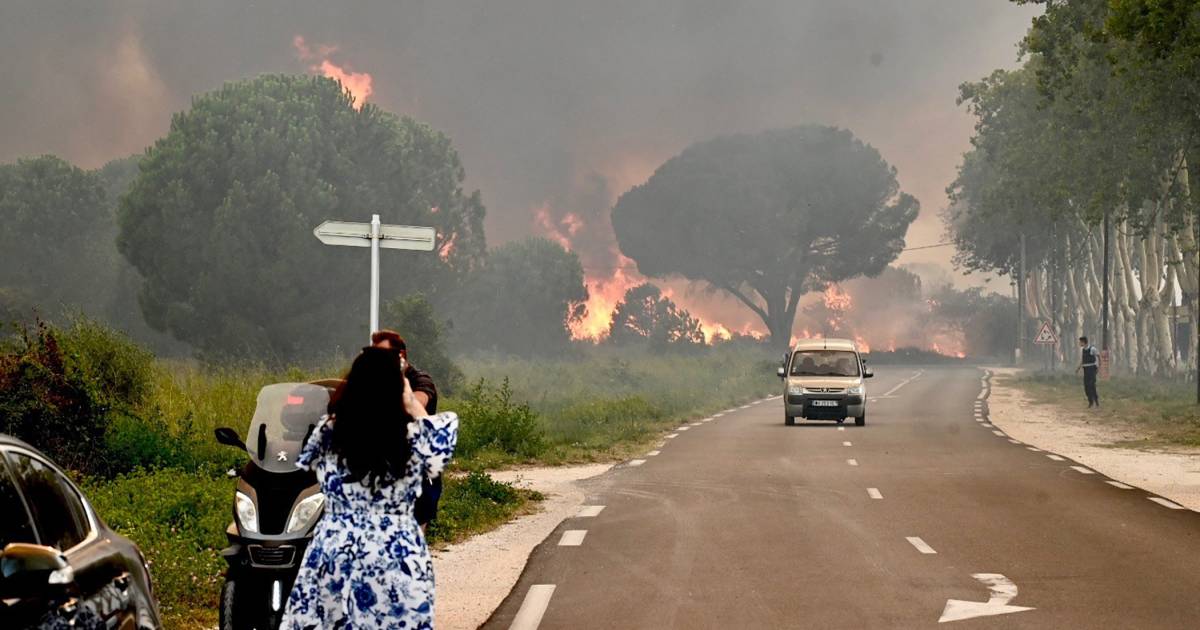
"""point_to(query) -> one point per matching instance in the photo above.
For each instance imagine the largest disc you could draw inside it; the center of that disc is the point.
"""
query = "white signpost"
(376, 235)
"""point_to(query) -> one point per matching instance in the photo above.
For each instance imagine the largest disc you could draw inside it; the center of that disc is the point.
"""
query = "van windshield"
(825, 363)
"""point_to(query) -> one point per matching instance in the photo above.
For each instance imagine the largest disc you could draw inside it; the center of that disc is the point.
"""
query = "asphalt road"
(741, 522)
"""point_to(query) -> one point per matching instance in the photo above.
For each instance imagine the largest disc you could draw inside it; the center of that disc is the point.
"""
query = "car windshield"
(283, 417)
(824, 363)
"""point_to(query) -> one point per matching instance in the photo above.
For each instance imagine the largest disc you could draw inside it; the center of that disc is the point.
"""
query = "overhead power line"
(911, 249)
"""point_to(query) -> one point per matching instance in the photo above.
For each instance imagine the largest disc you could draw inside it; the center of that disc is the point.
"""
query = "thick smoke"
(557, 106)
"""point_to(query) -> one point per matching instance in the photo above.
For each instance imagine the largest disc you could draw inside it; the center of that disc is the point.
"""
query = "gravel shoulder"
(474, 576)
(1065, 429)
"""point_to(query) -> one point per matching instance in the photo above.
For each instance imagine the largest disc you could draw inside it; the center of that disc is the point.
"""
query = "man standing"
(1089, 362)
(425, 392)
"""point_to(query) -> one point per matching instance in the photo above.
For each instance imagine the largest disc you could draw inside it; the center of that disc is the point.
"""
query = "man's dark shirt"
(431, 489)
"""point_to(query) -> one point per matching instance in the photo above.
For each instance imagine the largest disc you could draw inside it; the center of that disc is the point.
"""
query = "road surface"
(926, 514)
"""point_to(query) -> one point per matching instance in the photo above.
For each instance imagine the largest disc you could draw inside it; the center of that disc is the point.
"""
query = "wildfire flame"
(358, 84)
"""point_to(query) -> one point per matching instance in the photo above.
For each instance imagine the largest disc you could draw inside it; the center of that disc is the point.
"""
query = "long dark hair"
(370, 424)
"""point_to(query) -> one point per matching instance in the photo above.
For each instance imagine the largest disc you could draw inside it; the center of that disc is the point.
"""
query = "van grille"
(825, 390)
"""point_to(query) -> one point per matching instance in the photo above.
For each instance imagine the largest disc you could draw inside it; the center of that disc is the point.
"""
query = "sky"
(556, 106)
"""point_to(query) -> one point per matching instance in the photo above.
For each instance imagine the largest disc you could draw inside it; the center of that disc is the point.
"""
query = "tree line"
(1081, 165)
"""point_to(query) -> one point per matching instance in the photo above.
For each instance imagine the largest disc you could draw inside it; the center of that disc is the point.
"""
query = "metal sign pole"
(375, 232)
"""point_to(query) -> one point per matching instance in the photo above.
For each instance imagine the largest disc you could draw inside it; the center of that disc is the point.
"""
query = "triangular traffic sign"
(1046, 336)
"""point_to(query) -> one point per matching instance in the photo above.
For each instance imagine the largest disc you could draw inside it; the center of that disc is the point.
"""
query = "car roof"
(824, 344)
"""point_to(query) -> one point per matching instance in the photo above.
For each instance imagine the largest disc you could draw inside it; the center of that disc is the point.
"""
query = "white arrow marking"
(1002, 591)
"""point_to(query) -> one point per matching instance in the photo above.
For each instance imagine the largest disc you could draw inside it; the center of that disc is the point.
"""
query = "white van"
(824, 380)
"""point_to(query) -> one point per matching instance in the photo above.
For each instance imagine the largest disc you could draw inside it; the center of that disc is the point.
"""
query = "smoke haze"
(556, 106)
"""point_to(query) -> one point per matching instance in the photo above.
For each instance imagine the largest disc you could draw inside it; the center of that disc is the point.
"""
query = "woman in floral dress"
(368, 565)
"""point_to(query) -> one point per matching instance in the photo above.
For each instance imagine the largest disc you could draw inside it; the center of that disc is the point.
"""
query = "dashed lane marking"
(696, 424)
(1034, 449)
(572, 538)
(1085, 471)
(588, 511)
(841, 428)
(1012, 441)
(846, 444)
(921, 545)
(874, 493)
(1118, 484)
(529, 617)
(636, 462)
(683, 428)
(1167, 504)
(902, 384)
(852, 462)
(1000, 433)
(718, 415)
(1055, 457)
(652, 453)
(989, 425)
(672, 436)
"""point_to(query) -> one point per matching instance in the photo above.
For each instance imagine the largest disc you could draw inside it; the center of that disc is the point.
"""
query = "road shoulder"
(1066, 430)
(474, 576)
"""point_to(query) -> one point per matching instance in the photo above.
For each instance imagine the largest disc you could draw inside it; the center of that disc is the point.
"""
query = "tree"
(645, 316)
(424, 334)
(522, 300)
(219, 219)
(56, 246)
(768, 217)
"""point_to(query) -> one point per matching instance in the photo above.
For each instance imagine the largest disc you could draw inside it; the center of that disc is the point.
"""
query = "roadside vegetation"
(1163, 412)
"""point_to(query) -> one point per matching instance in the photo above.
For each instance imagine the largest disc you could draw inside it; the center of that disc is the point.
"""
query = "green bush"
(178, 520)
(62, 387)
(491, 421)
(473, 504)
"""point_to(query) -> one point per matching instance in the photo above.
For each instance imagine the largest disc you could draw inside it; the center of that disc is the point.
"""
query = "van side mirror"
(867, 373)
(28, 570)
(229, 437)
(779, 372)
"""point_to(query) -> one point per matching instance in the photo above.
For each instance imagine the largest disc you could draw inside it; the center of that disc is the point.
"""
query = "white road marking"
(903, 383)
(1055, 457)
(1086, 471)
(989, 425)
(1001, 591)
(1118, 484)
(1000, 433)
(920, 545)
(696, 424)
(841, 428)
(1013, 441)
(672, 436)
(572, 538)
(529, 617)
(718, 415)
(744, 407)
(652, 453)
(874, 493)
(852, 462)
(1165, 503)
(636, 462)
(588, 511)
(979, 420)
(684, 428)
(1035, 450)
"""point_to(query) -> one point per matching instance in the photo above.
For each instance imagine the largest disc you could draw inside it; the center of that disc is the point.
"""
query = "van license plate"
(824, 403)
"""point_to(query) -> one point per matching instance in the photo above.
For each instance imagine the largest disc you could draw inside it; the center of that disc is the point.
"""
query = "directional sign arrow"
(1002, 591)
(354, 234)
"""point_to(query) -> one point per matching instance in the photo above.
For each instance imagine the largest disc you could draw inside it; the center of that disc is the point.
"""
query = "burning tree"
(768, 217)
(646, 315)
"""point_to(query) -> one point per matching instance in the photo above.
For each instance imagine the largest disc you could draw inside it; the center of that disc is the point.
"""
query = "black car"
(61, 566)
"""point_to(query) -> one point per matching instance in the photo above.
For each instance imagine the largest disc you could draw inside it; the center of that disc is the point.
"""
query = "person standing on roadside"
(425, 391)
(1089, 362)
(368, 565)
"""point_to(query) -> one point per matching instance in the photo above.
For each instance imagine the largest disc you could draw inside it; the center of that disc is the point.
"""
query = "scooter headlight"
(305, 513)
(247, 513)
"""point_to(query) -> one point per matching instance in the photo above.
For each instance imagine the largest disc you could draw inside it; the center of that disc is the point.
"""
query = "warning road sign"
(1046, 336)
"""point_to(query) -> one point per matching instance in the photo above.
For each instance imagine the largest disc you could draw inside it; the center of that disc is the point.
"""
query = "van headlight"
(856, 390)
(305, 513)
(247, 512)
(795, 390)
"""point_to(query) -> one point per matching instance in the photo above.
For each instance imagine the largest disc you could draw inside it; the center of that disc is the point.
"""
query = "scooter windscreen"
(285, 415)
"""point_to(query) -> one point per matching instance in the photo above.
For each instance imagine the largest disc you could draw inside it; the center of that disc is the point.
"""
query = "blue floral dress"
(368, 565)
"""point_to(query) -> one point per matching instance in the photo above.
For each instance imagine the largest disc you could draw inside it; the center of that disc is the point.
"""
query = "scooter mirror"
(229, 437)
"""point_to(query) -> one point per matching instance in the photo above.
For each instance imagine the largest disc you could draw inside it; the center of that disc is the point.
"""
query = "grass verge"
(1163, 411)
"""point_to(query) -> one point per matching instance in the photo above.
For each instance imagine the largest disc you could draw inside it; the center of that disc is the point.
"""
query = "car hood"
(825, 381)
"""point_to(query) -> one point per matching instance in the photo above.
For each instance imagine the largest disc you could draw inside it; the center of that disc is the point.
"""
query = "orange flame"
(358, 84)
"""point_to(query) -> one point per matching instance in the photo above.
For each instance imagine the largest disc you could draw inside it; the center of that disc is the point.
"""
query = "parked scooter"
(276, 505)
